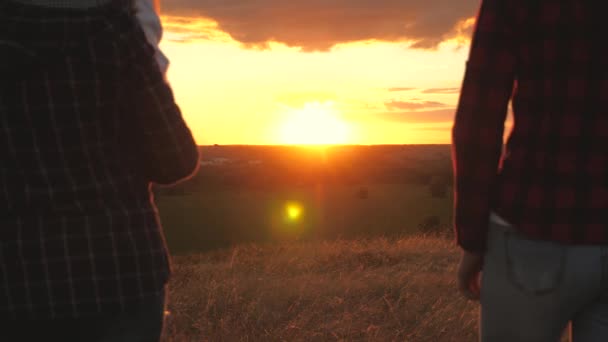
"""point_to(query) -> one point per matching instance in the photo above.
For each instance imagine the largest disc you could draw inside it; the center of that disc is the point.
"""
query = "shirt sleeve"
(152, 26)
(154, 136)
(477, 134)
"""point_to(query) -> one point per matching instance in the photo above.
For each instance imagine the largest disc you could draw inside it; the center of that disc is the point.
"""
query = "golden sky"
(317, 71)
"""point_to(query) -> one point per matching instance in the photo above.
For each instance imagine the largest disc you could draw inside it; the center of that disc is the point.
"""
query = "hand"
(469, 272)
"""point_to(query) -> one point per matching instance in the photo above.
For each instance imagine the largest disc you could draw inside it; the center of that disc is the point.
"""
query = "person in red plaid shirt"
(87, 124)
(534, 214)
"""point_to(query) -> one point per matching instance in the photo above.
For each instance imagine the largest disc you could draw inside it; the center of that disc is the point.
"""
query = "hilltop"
(358, 290)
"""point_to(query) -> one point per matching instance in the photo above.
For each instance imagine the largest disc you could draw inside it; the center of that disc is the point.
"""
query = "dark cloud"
(441, 91)
(317, 25)
(185, 30)
(405, 105)
(430, 116)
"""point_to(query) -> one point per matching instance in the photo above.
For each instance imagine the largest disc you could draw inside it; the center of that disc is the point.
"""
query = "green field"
(222, 217)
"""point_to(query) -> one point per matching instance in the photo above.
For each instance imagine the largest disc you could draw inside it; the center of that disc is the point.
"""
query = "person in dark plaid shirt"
(87, 124)
(534, 214)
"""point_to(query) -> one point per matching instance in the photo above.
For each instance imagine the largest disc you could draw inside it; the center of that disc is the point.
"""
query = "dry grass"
(364, 290)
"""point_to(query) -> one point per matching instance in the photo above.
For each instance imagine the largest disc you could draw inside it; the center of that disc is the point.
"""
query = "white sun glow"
(315, 124)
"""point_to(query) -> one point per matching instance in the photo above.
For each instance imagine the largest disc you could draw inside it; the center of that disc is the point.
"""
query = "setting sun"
(314, 124)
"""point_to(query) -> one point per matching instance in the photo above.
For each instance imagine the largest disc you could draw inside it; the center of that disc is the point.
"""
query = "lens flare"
(293, 212)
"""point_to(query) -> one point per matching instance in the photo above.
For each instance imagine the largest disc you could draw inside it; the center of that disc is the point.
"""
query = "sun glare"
(293, 212)
(314, 124)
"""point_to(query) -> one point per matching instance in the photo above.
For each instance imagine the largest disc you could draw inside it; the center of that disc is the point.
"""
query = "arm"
(479, 124)
(159, 144)
(150, 22)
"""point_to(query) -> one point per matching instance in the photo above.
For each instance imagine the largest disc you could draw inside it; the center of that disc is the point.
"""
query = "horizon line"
(315, 145)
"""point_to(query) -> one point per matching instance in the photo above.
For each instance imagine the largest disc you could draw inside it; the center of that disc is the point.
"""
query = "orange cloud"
(186, 29)
(318, 25)
(407, 105)
(441, 91)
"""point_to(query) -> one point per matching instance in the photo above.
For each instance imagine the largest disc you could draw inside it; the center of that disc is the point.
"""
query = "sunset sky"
(318, 71)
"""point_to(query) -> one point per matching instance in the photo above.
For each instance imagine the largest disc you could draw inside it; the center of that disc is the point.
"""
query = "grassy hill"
(358, 290)
(351, 267)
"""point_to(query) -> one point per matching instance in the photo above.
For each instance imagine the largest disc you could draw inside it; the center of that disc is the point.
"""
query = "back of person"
(88, 123)
(553, 182)
(531, 217)
(551, 57)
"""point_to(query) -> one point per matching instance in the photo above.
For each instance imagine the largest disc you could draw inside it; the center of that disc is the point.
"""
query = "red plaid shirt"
(86, 124)
(550, 57)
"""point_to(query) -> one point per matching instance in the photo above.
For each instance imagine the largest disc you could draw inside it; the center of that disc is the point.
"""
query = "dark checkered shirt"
(74, 4)
(87, 123)
(551, 57)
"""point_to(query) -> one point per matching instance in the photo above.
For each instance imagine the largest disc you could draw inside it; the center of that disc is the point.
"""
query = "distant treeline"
(271, 167)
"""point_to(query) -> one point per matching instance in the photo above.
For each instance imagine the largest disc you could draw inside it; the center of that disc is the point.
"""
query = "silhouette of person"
(87, 124)
(532, 217)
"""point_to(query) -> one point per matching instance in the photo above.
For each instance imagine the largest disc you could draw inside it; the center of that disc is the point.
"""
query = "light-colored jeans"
(532, 289)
